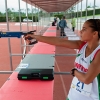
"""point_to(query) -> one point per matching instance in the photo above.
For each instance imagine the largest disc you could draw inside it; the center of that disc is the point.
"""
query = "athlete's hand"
(73, 71)
(29, 36)
(30, 39)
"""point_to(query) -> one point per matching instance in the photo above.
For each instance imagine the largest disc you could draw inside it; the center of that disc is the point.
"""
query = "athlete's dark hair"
(95, 25)
(63, 17)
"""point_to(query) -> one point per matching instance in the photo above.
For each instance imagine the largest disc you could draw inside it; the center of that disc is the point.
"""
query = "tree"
(13, 9)
(9, 12)
(94, 6)
(13, 14)
(72, 9)
(88, 6)
(34, 10)
(0, 14)
(28, 9)
(40, 12)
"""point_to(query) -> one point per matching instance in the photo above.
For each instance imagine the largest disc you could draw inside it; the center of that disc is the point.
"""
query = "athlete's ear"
(95, 33)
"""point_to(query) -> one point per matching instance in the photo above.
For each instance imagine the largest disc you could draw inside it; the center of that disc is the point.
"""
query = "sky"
(14, 4)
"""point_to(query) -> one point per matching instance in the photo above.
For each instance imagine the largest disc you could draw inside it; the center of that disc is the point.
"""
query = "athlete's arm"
(57, 41)
(93, 71)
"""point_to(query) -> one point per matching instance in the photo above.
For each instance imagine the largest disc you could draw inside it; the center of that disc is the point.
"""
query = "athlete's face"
(86, 34)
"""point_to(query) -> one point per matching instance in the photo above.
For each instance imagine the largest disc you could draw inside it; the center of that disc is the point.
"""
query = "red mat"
(13, 89)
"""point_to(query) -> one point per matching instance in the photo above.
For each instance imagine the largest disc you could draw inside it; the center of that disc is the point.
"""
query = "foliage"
(58, 15)
(3, 19)
(16, 19)
(35, 18)
(89, 13)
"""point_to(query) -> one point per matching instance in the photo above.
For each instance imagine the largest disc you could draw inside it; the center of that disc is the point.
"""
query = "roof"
(52, 5)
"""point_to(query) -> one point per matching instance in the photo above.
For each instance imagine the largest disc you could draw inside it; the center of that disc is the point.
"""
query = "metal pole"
(27, 15)
(38, 21)
(55, 73)
(49, 17)
(42, 21)
(86, 9)
(94, 10)
(74, 12)
(28, 45)
(77, 16)
(27, 20)
(40, 18)
(54, 56)
(9, 46)
(6, 72)
(7, 15)
(18, 54)
(32, 15)
(65, 54)
(20, 27)
(81, 16)
(71, 13)
(63, 73)
(35, 18)
(19, 15)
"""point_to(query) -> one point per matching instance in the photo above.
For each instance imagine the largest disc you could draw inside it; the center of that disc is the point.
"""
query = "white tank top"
(79, 90)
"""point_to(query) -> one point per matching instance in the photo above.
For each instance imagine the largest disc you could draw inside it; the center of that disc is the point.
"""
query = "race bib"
(84, 89)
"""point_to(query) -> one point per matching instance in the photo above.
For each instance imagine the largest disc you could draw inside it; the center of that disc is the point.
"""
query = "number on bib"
(80, 84)
(84, 89)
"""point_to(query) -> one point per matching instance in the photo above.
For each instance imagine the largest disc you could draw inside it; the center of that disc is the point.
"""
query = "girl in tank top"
(85, 83)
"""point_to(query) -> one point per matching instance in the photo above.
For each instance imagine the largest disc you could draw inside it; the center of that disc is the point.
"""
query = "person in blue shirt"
(62, 25)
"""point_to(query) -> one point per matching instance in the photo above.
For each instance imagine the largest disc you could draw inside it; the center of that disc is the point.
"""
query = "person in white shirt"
(58, 20)
(85, 84)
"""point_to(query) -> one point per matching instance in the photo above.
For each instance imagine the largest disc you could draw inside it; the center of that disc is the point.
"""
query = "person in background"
(62, 25)
(55, 20)
(85, 83)
(58, 20)
(53, 23)
(73, 23)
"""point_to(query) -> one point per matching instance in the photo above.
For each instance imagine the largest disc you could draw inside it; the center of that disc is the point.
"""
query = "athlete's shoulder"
(81, 44)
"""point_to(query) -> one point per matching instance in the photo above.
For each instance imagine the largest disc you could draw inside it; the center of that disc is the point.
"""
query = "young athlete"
(85, 84)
